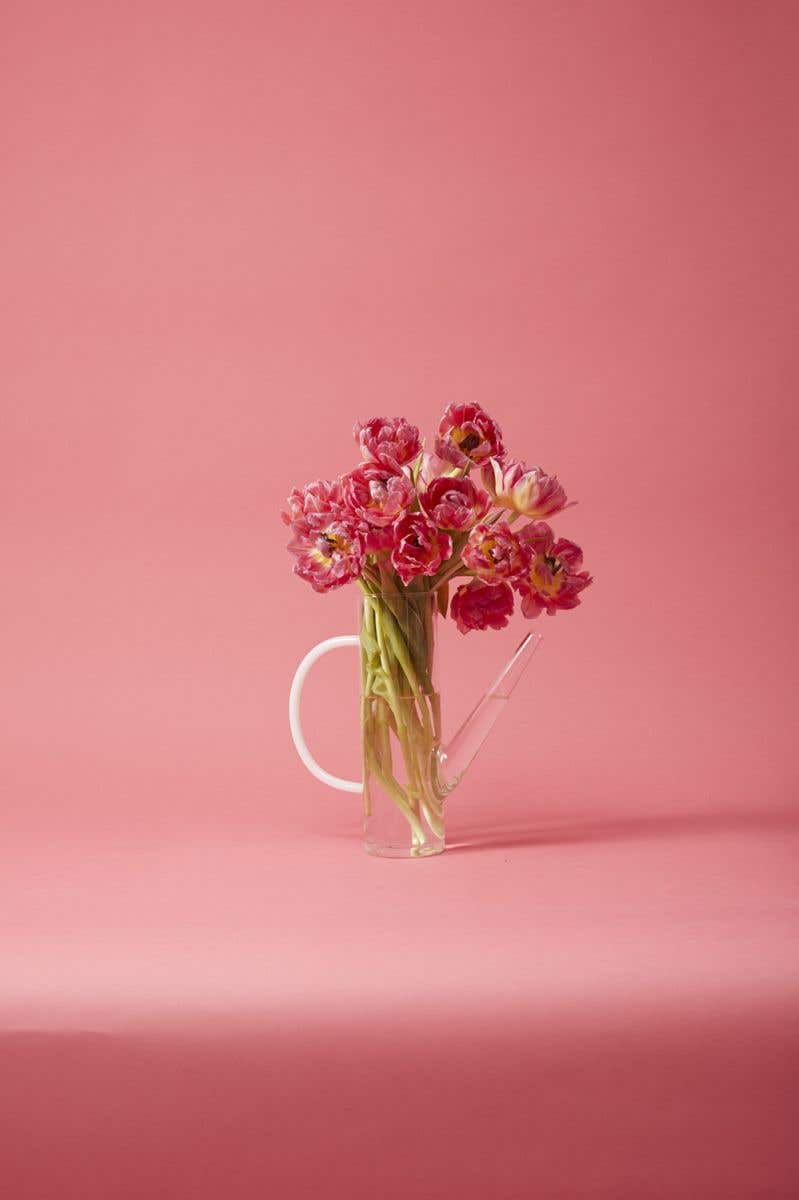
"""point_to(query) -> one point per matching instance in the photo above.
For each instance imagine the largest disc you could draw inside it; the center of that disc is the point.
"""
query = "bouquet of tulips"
(409, 526)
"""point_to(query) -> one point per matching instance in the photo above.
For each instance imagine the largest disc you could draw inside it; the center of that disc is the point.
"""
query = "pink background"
(228, 230)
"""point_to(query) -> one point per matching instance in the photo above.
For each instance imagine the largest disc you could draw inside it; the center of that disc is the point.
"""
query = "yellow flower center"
(547, 574)
(327, 544)
(465, 439)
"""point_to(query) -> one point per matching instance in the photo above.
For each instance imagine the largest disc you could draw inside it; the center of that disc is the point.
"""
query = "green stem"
(397, 643)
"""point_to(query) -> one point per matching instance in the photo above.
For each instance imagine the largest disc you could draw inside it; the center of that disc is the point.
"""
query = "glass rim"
(404, 593)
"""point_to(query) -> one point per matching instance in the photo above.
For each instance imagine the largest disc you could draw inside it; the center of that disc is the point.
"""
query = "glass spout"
(456, 757)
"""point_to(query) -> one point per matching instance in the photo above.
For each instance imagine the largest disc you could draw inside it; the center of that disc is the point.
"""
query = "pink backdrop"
(228, 230)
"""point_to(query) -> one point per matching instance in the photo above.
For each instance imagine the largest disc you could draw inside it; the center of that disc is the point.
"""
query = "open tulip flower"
(419, 548)
(495, 553)
(392, 441)
(478, 605)
(467, 436)
(553, 579)
(528, 491)
(378, 494)
(312, 506)
(454, 503)
(331, 555)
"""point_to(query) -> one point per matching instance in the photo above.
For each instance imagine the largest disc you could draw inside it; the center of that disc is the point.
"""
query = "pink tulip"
(377, 494)
(309, 508)
(495, 553)
(553, 579)
(392, 441)
(467, 434)
(419, 548)
(454, 503)
(330, 556)
(526, 490)
(478, 605)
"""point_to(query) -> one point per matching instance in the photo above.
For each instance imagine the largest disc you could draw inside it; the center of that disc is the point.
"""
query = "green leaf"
(442, 596)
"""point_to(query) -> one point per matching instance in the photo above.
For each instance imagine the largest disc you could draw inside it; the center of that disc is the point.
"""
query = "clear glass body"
(403, 792)
(407, 772)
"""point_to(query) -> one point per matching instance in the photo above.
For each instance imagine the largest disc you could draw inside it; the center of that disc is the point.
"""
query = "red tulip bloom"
(467, 434)
(419, 548)
(553, 579)
(478, 605)
(454, 503)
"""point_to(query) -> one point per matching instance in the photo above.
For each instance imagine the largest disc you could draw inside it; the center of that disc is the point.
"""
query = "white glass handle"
(344, 785)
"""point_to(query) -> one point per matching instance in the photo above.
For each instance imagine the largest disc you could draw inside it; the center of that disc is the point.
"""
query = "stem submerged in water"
(401, 712)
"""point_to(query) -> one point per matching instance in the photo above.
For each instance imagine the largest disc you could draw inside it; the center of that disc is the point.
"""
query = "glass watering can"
(407, 771)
